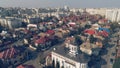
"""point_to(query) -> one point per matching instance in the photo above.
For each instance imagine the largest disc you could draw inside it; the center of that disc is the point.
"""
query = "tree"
(78, 40)
(80, 29)
(1, 28)
(114, 26)
(55, 40)
(24, 24)
(92, 39)
(2, 64)
(87, 26)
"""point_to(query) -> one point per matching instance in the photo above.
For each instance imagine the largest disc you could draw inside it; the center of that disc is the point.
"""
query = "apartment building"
(10, 23)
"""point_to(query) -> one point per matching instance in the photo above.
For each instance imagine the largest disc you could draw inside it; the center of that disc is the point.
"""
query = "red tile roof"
(50, 32)
(103, 33)
(40, 41)
(9, 53)
(89, 31)
(25, 66)
(103, 20)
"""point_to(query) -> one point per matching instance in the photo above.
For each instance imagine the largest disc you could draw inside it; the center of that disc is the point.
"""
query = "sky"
(61, 3)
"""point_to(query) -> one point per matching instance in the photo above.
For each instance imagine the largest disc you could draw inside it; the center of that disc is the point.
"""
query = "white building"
(111, 14)
(100, 11)
(10, 23)
(118, 16)
(69, 58)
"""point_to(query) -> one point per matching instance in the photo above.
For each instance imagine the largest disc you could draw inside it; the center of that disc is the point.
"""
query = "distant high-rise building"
(118, 16)
(100, 11)
(10, 23)
(66, 8)
(111, 15)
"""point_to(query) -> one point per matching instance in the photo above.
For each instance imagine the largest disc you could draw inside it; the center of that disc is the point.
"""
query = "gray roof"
(82, 58)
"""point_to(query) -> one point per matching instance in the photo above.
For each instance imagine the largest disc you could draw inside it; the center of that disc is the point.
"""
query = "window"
(83, 66)
(75, 49)
(72, 48)
(62, 63)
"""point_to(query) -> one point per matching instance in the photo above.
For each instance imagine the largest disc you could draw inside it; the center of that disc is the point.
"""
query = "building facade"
(113, 15)
(68, 56)
(10, 23)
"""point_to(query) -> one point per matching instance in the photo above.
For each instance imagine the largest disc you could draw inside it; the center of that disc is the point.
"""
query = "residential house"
(42, 43)
(86, 48)
(14, 56)
(25, 66)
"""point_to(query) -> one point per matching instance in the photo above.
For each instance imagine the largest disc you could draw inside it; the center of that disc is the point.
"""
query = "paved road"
(35, 62)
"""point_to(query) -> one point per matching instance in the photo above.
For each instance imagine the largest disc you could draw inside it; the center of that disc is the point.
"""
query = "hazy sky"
(60, 3)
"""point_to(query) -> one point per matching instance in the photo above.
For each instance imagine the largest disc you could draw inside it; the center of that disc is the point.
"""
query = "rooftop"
(82, 58)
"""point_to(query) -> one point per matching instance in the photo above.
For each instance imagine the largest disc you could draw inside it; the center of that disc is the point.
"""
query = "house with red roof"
(103, 33)
(9, 53)
(50, 32)
(72, 24)
(25, 66)
(102, 21)
(90, 31)
(14, 56)
(42, 42)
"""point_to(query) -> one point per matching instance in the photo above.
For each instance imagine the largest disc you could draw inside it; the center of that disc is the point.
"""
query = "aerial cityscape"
(57, 36)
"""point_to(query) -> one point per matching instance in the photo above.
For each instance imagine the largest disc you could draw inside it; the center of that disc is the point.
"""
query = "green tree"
(78, 40)
(92, 39)
(2, 64)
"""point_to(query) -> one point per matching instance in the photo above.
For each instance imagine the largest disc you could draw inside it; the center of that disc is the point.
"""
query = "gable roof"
(50, 32)
(90, 31)
(40, 41)
(103, 33)
(9, 53)
(25, 66)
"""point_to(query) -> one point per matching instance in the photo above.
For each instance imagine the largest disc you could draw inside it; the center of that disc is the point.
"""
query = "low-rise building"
(14, 56)
(10, 23)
